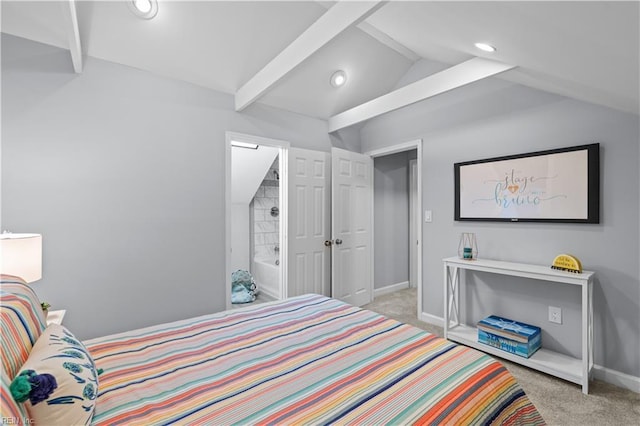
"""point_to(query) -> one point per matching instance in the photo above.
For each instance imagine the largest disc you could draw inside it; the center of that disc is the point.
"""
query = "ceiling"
(249, 168)
(584, 50)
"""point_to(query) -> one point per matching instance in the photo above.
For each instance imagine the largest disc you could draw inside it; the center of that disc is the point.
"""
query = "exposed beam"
(337, 19)
(69, 12)
(457, 76)
(388, 41)
(381, 37)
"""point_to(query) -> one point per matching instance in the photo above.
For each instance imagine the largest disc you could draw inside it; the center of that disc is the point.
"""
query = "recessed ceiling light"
(145, 9)
(486, 47)
(338, 78)
(244, 145)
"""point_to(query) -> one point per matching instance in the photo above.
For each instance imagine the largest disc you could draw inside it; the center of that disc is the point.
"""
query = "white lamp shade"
(21, 256)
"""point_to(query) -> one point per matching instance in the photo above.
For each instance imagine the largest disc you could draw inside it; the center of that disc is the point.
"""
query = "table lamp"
(21, 256)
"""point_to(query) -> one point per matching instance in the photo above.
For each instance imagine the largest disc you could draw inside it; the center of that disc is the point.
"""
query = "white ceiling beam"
(337, 19)
(388, 41)
(457, 76)
(381, 37)
(71, 18)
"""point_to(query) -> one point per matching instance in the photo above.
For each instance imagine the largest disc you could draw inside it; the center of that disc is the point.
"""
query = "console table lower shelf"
(550, 362)
(576, 370)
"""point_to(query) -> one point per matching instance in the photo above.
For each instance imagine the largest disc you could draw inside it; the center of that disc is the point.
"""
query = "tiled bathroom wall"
(266, 234)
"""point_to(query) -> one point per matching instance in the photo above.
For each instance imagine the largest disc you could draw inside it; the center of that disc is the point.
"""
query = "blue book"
(510, 329)
(524, 350)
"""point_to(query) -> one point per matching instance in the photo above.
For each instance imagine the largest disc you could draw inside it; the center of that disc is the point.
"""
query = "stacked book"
(511, 336)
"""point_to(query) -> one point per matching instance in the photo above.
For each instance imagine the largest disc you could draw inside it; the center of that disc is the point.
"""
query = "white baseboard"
(431, 319)
(623, 380)
(268, 292)
(617, 378)
(390, 288)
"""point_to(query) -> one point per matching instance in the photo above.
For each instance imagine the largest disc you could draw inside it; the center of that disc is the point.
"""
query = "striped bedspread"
(306, 360)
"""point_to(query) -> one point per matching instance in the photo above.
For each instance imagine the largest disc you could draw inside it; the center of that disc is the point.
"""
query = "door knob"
(338, 241)
(328, 243)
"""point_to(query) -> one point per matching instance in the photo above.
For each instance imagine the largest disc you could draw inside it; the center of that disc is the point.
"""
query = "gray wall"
(123, 174)
(391, 219)
(494, 118)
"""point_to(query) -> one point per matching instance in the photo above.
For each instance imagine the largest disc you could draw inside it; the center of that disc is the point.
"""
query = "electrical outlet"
(555, 315)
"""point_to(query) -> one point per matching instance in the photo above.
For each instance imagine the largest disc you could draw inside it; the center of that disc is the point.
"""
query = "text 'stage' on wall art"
(560, 185)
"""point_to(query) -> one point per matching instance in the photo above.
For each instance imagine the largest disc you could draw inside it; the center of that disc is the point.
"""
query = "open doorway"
(256, 219)
(397, 224)
(395, 269)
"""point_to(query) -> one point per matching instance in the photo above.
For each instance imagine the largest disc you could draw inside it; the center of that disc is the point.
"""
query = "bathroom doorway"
(264, 230)
(256, 216)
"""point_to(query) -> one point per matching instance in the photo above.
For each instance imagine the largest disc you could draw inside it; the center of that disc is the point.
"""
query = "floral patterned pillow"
(59, 381)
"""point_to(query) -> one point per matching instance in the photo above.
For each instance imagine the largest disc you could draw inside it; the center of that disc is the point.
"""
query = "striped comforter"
(306, 360)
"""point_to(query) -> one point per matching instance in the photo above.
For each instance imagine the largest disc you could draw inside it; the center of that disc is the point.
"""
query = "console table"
(576, 370)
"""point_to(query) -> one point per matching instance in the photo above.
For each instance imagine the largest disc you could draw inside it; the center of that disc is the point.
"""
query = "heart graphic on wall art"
(513, 188)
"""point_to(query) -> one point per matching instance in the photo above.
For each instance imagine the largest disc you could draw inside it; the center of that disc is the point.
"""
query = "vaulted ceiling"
(283, 53)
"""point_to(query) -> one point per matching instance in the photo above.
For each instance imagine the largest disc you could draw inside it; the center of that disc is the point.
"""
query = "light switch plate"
(427, 216)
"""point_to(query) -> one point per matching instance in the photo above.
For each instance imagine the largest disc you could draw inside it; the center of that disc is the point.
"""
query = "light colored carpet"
(560, 402)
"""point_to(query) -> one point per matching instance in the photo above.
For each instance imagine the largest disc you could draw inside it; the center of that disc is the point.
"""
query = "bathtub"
(267, 276)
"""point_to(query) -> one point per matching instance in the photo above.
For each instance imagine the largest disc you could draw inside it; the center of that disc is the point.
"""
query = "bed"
(306, 360)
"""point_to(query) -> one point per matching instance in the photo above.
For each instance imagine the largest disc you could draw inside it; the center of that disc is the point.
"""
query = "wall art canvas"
(561, 185)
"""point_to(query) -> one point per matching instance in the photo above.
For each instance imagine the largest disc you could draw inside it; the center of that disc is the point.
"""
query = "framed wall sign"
(560, 185)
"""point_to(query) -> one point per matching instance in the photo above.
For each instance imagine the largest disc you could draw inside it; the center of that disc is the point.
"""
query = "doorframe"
(393, 149)
(283, 158)
(414, 222)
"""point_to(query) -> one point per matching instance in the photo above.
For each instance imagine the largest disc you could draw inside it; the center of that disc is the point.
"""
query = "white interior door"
(309, 265)
(352, 226)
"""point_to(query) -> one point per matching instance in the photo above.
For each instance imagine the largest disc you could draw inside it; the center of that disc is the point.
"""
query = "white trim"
(283, 158)
(415, 215)
(227, 220)
(284, 202)
(243, 137)
(431, 319)
(377, 292)
(394, 149)
(73, 34)
(267, 292)
(401, 147)
(617, 378)
(372, 259)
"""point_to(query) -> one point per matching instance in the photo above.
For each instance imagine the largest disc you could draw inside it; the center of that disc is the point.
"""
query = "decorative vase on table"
(468, 247)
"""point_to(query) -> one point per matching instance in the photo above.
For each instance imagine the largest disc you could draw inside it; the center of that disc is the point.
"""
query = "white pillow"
(59, 381)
